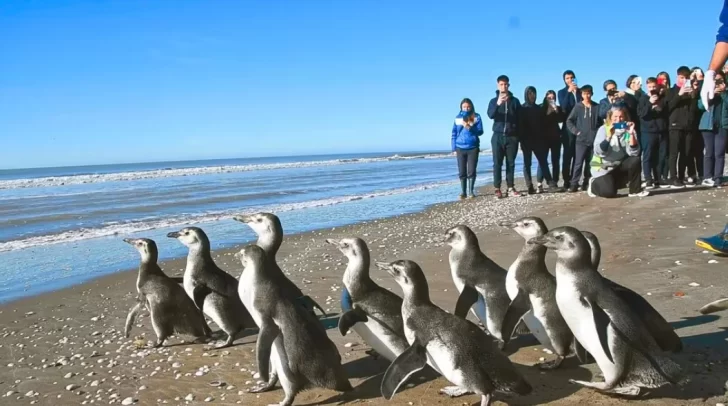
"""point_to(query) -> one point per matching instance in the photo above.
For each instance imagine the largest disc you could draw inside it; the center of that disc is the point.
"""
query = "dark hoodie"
(505, 116)
(584, 122)
(531, 119)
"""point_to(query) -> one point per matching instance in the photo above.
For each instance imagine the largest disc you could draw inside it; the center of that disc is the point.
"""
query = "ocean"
(64, 226)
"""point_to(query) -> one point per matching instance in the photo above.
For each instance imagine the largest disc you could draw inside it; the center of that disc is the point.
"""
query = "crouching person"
(616, 161)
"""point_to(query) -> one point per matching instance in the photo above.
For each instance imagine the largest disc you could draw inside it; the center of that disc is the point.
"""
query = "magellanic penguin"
(170, 310)
(475, 274)
(532, 290)
(270, 236)
(604, 324)
(465, 354)
(213, 290)
(660, 329)
(290, 337)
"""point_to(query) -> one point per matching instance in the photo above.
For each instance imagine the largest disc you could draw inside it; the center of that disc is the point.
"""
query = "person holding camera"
(653, 138)
(616, 162)
(466, 132)
(712, 125)
(552, 116)
(568, 98)
(682, 104)
(533, 142)
(504, 110)
(610, 88)
(583, 122)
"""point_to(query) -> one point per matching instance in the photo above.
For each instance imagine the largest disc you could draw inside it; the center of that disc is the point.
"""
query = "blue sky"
(89, 82)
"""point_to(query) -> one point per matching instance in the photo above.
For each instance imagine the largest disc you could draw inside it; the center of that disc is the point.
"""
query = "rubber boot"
(471, 187)
(463, 186)
(717, 243)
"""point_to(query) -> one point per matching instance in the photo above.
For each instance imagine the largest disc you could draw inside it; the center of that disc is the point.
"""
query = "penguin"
(532, 290)
(291, 339)
(170, 310)
(627, 355)
(715, 306)
(475, 274)
(270, 236)
(660, 329)
(213, 290)
(463, 352)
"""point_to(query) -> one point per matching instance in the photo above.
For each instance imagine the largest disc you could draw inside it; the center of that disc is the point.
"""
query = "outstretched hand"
(708, 90)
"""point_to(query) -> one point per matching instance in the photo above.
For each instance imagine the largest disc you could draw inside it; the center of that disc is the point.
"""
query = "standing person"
(616, 161)
(568, 97)
(634, 86)
(583, 122)
(532, 140)
(552, 137)
(610, 90)
(712, 127)
(681, 104)
(696, 79)
(504, 110)
(664, 84)
(466, 132)
(653, 115)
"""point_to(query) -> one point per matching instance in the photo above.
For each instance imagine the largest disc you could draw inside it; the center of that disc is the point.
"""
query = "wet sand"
(67, 347)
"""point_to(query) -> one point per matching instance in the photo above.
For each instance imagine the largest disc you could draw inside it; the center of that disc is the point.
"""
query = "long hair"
(668, 81)
(545, 104)
(470, 118)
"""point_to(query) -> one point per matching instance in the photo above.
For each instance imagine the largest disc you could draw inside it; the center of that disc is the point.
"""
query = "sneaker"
(531, 190)
(472, 196)
(649, 185)
(539, 188)
(461, 197)
(717, 243)
(585, 185)
(642, 193)
(589, 188)
(664, 183)
(691, 182)
(573, 189)
(677, 184)
(498, 194)
(513, 192)
(708, 182)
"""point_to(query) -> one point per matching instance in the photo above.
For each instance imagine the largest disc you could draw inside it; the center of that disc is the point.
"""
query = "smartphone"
(574, 82)
(620, 126)
(660, 81)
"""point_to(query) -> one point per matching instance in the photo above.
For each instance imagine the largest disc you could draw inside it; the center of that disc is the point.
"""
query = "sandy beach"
(67, 347)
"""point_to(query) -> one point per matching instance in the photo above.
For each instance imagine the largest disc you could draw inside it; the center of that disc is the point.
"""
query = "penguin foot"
(485, 401)
(263, 387)
(454, 391)
(549, 365)
(603, 387)
(372, 353)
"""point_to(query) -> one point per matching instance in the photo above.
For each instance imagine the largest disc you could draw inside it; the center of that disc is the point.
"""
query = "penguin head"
(191, 237)
(261, 223)
(251, 256)
(527, 227)
(460, 236)
(147, 248)
(352, 248)
(408, 275)
(565, 241)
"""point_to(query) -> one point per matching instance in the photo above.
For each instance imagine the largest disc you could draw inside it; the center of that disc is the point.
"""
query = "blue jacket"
(462, 137)
(714, 117)
(566, 100)
(505, 116)
(722, 35)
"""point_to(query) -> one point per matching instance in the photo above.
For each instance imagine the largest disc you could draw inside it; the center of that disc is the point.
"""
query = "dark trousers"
(504, 146)
(681, 154)
(663, 161)
(568, 141)
(650, 143)
(714, 159)
(627, 173)
(582, 158)
(467, 162)
(553, 147)
(698, 156)
(541, 154)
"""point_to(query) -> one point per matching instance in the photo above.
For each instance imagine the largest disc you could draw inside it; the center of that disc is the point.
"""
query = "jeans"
(714, 159)
(504, 146)
(698, 157)
(467, 162)
(543, 165)
(627, 173)
(568, 140)
(650, 156)
(555, 148)
(681, 154)
(662, 162)
(583, 154)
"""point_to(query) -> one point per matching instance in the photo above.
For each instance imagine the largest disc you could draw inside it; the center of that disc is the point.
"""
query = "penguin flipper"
(310, 305)
(466, 300)
(601, 322)
(199, 294)
(132, 315)
(716, 306)
(266, 336)
(413, 359)
(351, 317)
(177, 279)
(520, 305)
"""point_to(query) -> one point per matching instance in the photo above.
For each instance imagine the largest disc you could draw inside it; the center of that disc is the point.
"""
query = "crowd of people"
(651, 134)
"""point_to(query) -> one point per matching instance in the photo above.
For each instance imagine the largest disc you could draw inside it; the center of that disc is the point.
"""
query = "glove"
(708, 90)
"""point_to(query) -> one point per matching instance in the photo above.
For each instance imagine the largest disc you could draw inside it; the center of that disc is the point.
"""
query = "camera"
(612, 92)
(654, 92)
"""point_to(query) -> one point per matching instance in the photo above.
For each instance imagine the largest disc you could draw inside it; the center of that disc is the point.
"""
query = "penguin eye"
(345, 245)
(259, 220)
(560, 237)
(526, 224)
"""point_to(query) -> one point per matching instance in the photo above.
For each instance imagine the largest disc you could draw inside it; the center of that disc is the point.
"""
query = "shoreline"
(73, 337)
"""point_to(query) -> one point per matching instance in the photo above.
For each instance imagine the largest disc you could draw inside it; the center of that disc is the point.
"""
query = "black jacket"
(681, 109)
(653, 120)
(584, 122)
(531, 120)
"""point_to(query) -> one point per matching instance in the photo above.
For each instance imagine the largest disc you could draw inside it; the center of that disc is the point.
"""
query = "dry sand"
(67, 347)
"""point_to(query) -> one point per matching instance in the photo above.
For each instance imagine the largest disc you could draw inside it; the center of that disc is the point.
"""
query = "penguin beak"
(507, 224)
(173, 234)
(384, 266)
(242, 219)
(541, 240)
(332, 241)
(129, 240)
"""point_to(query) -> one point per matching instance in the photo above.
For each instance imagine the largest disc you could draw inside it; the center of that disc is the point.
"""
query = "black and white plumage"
(291, 339)
(213, 290)
(604, 324)
(171, 311)
(465, 354)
